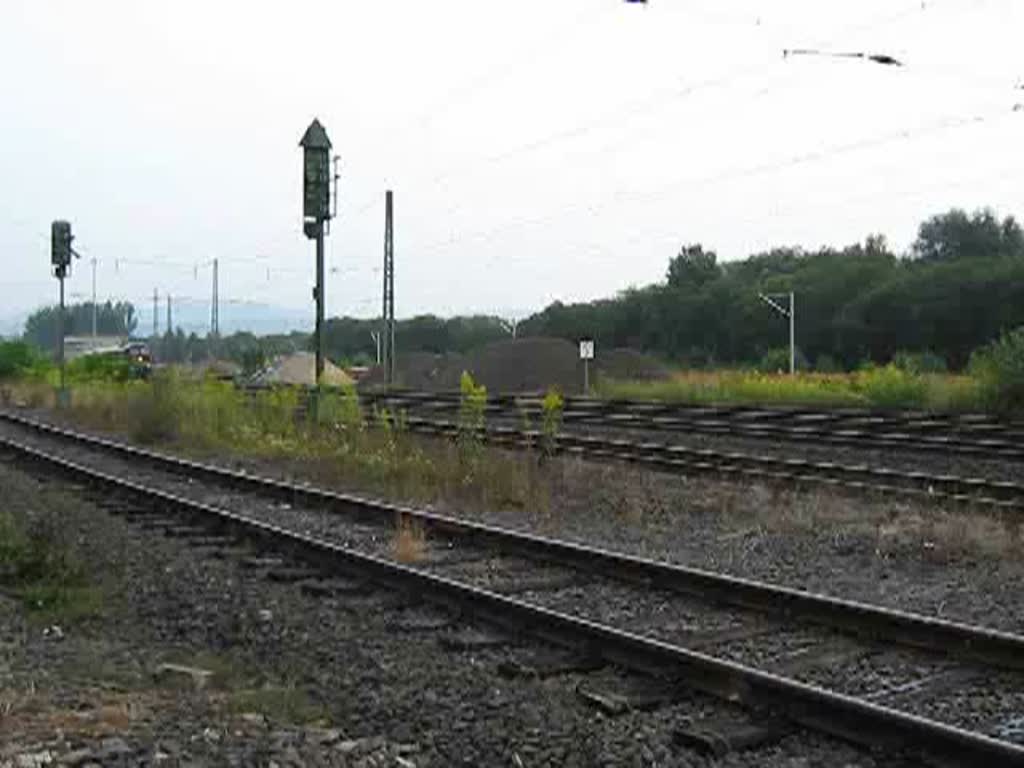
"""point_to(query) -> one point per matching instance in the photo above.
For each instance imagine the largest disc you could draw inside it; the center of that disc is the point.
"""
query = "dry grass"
(895, 525)
(410, 541)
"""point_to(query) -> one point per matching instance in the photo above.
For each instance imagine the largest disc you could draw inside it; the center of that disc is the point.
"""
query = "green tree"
(956, 235)
(692, 267)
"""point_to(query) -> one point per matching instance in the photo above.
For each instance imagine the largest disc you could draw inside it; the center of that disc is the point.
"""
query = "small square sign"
(586, 349)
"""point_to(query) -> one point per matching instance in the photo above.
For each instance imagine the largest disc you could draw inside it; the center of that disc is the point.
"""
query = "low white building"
(76, 346)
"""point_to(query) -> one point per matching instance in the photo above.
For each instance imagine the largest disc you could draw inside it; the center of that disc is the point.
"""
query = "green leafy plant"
(920, 362)
(999, 367)
(472, 408)
(552, 407)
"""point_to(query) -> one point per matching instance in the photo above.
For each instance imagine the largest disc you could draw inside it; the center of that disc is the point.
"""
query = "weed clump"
(1000, 368)
(409, 543)
(472, 409)
(552, 407)
(39, 566)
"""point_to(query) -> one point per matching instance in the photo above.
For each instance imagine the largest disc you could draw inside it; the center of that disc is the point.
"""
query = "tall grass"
(887, 387)
(333, 443)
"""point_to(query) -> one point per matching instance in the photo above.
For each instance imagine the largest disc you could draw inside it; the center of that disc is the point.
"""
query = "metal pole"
(792, 333)
(391, 292)
(388, 308)
(375, 335)
(156, 317)
(60, 333)
(216, 297)
(94, 299)
(319, 302)
(168, 313)
(586, 376)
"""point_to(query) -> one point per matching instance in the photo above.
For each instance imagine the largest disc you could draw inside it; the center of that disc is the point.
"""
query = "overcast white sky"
(537, 149)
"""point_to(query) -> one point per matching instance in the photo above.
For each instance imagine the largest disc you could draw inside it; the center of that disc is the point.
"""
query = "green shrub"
(827, 364)
(339, 408)
(999, 367)
(891, 387)
(156, 410)
(551, 422)
(472, 407)
(920, 362)
(777, 361)
(17, 359)
(99, 368)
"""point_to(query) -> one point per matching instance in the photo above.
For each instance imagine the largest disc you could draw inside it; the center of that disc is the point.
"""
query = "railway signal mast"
(316, 214)
(60, 258)
(772, 300)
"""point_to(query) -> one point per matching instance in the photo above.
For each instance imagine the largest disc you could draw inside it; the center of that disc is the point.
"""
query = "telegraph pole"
(156, 316)
(169, 326)
(388, 310)
(316, 212)
(94, 299)
(215, 303)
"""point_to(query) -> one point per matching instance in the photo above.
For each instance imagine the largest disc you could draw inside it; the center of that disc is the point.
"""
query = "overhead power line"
(951, 122)
(877, 58)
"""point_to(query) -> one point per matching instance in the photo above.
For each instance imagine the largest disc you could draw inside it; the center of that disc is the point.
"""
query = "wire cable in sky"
(950, 122)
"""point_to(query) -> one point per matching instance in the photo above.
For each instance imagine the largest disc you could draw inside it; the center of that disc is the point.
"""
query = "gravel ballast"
(298, 679)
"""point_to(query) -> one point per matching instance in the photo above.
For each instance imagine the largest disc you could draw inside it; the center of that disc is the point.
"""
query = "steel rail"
(968, 435)
(988, 646)
(842, 716)
(667, 456)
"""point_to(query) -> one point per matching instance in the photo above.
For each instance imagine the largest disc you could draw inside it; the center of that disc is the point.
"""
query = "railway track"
(981, 492)
(976, 435)
(946, 693)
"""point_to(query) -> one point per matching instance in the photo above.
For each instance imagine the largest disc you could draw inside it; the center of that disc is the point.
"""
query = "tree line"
(960, 285)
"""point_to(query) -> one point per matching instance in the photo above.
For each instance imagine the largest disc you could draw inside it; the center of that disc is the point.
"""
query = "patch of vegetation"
(335, 444)
(409, 542)
(1000, 368)
(39, 566)
(19, 359)
(551, 421)
(278, 703)
(472, 408)
(890, 386)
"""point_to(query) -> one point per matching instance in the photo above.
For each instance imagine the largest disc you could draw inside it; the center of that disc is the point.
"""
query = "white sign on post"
(586, 349)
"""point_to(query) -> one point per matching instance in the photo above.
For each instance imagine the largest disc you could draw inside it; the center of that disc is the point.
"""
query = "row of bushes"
(993, 382)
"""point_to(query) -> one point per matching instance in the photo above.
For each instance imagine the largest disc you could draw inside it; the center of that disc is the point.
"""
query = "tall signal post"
(388, 310)
(60, 259)
(316, 213)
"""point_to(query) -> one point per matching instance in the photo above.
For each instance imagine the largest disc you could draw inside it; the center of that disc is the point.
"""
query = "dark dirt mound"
(518, 365)
(524, 365)
(421, 371)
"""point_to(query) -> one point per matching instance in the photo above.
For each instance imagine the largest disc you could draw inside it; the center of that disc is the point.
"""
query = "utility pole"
(388, 310)
(169, 325)
(316, 212)
(215, 303)
(789, 312)
(156, 316)
(94, 298)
